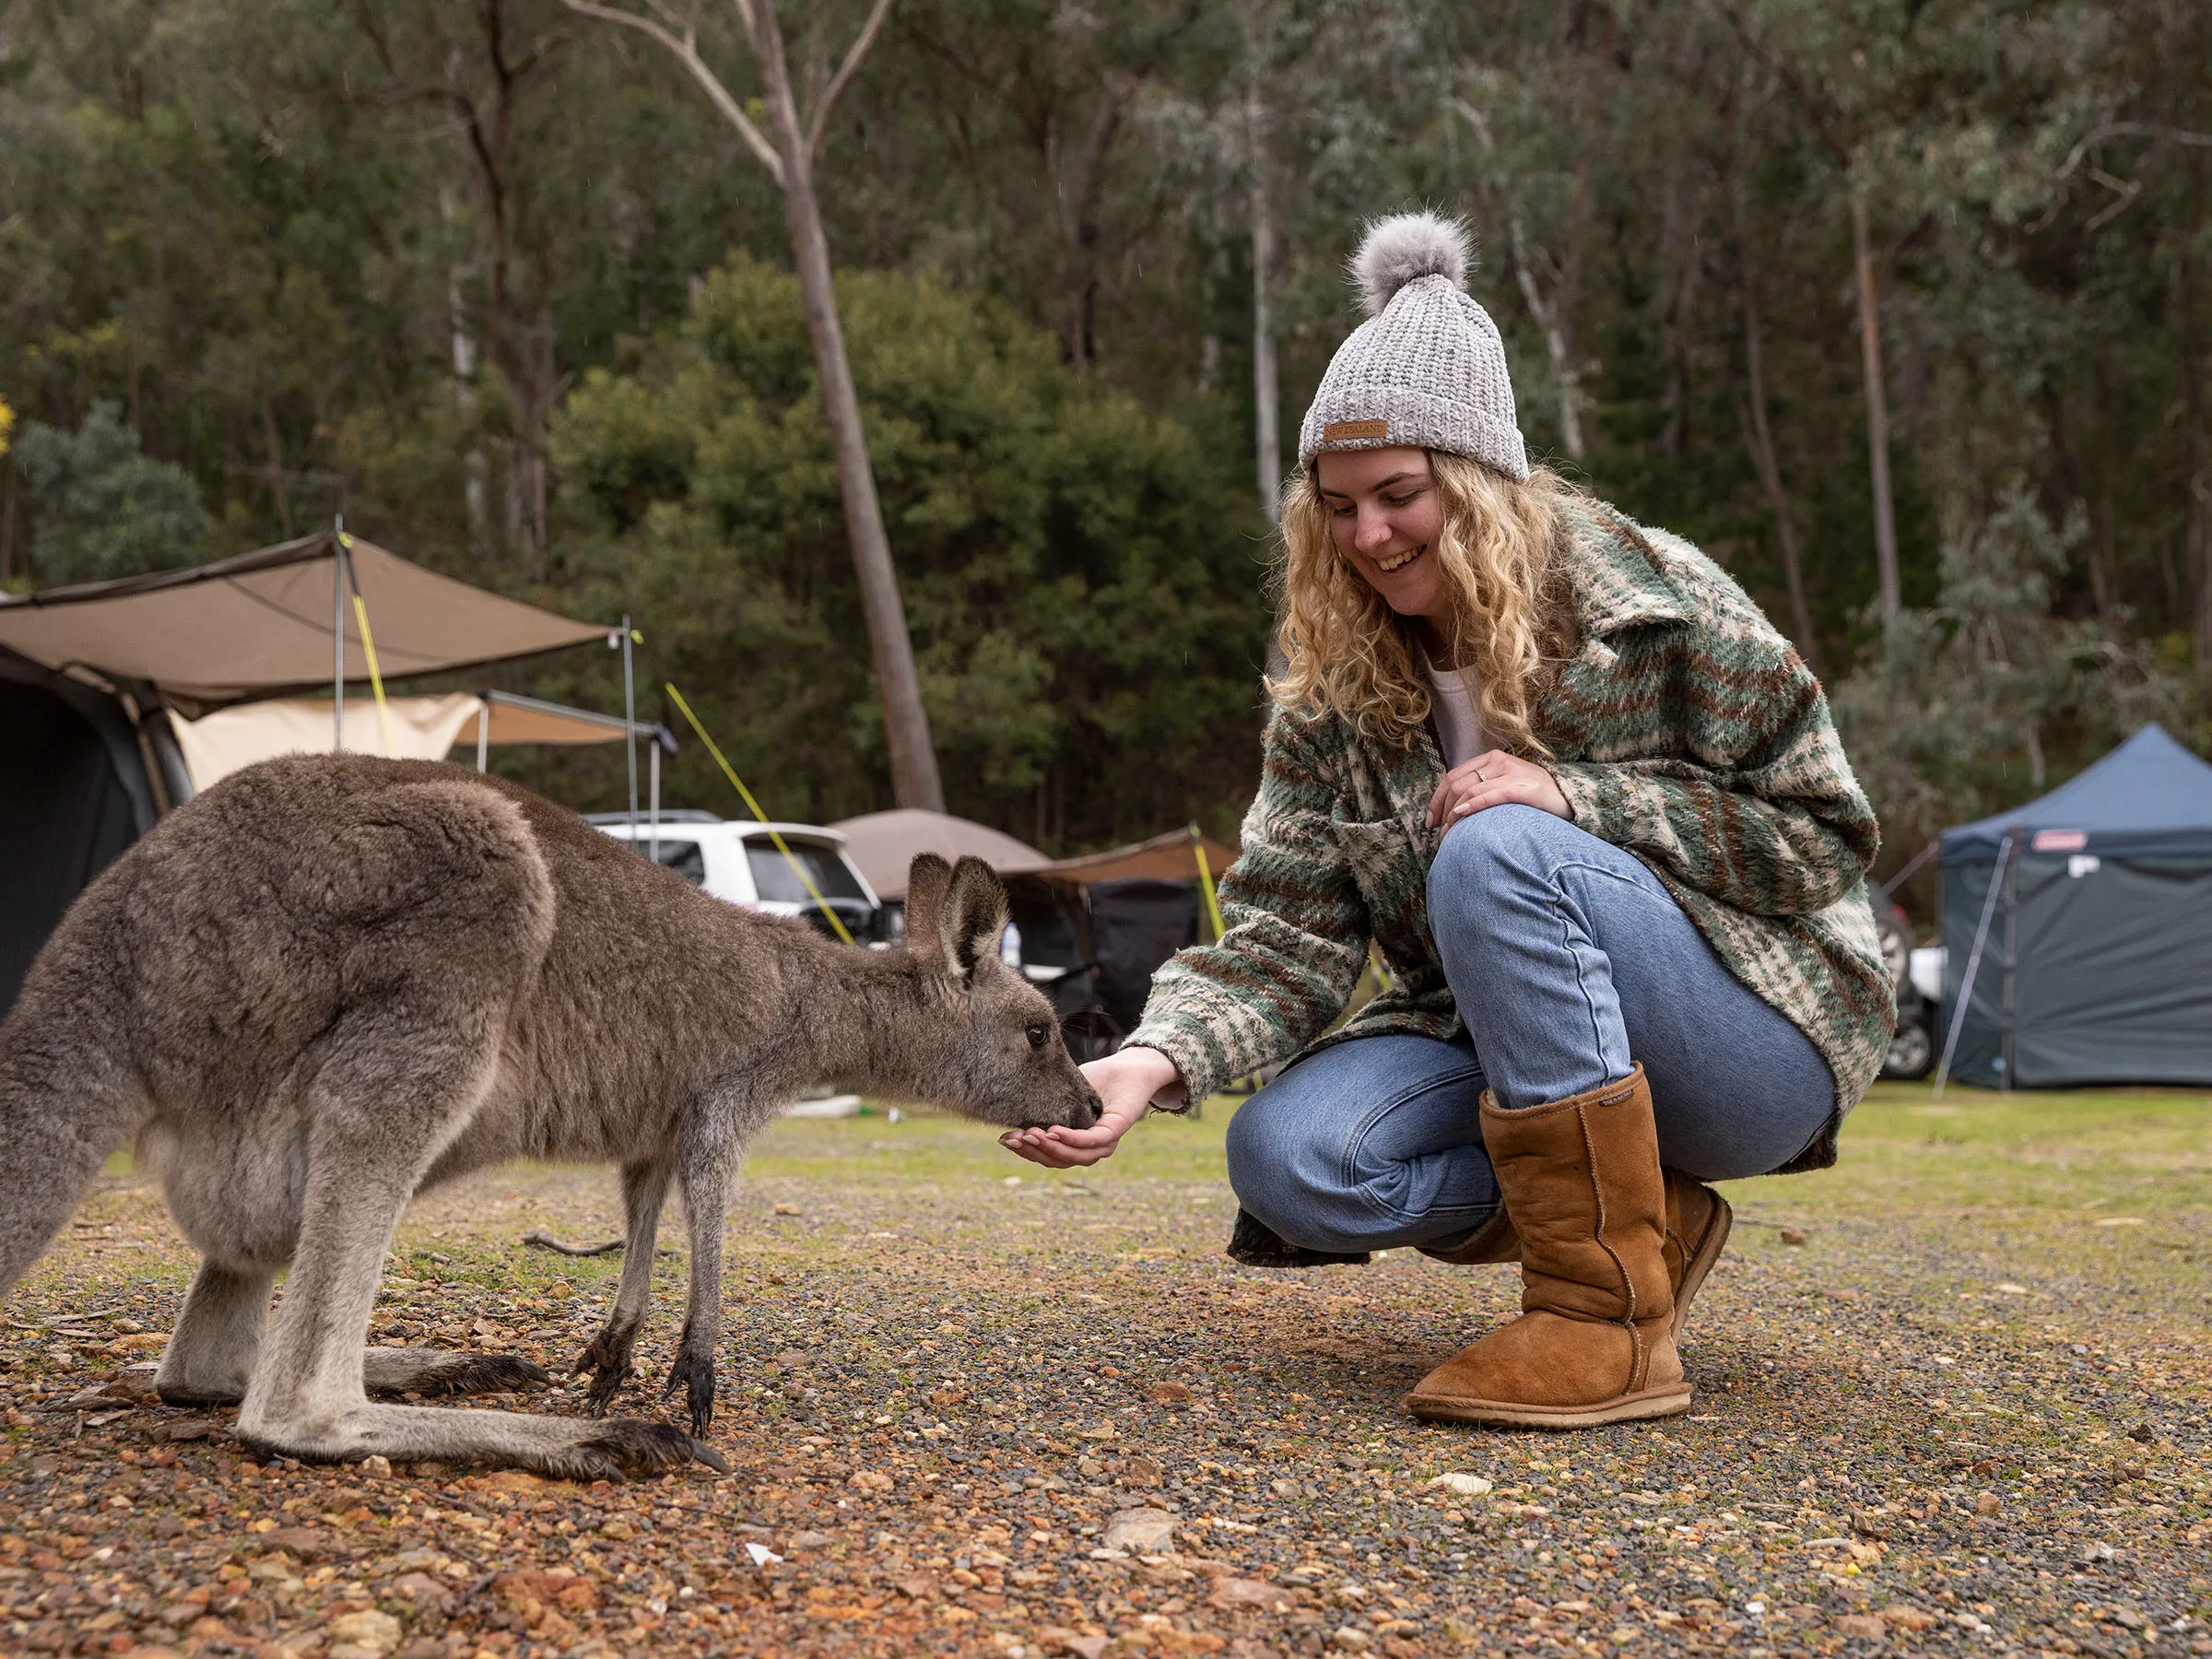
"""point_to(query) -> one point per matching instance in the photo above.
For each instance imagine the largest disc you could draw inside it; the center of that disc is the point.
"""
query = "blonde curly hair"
(1347, 652)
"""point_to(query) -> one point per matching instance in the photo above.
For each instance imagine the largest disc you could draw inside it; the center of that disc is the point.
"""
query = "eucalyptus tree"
(789, 151)
(1847, 69)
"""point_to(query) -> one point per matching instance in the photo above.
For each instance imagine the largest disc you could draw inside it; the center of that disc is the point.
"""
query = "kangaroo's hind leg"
(645, 1190)
(211, 1354)
(398, 1084)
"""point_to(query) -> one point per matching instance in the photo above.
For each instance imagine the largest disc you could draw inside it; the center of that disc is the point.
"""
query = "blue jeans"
(1570, 962)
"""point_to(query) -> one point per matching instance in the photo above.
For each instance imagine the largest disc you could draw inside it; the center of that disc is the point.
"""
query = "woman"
(1589, 807)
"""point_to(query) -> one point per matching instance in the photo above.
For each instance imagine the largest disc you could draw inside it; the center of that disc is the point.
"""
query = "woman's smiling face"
(1385, 514)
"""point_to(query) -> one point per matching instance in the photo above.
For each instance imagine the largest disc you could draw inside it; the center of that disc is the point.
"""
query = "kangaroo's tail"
(69, 1102)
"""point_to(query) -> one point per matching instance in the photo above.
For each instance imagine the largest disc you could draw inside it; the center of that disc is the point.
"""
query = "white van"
(742, 863)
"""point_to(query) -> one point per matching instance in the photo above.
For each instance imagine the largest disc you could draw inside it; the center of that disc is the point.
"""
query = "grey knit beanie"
(1427, 367)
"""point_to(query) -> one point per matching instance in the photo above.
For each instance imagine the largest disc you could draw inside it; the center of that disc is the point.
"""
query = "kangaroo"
(332, 981)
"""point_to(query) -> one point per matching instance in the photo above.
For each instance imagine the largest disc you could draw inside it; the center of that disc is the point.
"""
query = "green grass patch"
(2136, 1151)
(2098, 1153)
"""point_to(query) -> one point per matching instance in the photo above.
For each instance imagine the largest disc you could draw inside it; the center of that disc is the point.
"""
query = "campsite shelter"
(884, 843)
(96, 679)
(1093, 929)
(1142, 902)
(425, 727)
(2092, 906)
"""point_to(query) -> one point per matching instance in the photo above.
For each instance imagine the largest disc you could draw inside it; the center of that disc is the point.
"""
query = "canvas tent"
(93, 676)
(2092, 906)
(884, 843)
(1142, 903)
(1092, 930)
(1163, 858)
(407, 728)
(260, 624)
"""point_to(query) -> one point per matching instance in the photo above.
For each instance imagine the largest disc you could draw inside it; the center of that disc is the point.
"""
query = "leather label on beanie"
(1340, 431)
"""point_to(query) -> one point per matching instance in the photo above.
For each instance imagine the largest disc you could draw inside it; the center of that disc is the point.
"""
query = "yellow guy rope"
(361, 616)
(1205, 882)
(738, 782)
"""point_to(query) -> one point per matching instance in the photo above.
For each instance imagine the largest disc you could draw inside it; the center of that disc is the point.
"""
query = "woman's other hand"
(1496, 779)
(1126, 1083)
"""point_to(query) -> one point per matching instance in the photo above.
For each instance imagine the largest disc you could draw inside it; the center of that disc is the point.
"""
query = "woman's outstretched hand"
(1495, 779)
(1126, 1082)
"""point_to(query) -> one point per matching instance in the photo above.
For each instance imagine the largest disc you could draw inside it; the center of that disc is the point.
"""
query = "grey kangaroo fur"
(332, 981)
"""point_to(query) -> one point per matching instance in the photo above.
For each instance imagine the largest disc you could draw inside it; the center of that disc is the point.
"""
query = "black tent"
(74, 794)
(2086, 920)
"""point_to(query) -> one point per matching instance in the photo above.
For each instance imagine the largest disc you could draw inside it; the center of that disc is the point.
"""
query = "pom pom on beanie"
(1403, 247)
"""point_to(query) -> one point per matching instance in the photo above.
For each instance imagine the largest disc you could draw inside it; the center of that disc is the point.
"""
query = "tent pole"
(2012, 938)
(337, 634)
(629, 719)
(1973, 963)
(484, 734)
(653, 756)
(1919, 858)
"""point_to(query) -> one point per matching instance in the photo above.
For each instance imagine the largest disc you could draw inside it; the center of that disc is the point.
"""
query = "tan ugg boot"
(1595, 1342)
(1494, 1241)
(1698, 1220)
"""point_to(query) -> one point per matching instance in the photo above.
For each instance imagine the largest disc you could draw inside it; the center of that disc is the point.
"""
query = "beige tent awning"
(528, 720)
(884, 843)
(261, 623)
(1164, 858)
(421, 728)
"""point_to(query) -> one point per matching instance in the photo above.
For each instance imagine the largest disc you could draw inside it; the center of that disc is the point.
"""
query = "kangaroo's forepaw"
(696, 1373)
(462, 1374)
(607, 1358)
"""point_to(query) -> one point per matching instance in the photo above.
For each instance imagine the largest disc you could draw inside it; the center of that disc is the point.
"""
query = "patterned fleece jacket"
(1683, 728)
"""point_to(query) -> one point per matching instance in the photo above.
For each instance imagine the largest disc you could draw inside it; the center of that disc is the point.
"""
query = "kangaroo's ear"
(974, 915)
(928, 879)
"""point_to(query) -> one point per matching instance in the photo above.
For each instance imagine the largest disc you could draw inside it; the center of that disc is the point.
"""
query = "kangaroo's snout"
(1077, 1109)
(1087, 1110)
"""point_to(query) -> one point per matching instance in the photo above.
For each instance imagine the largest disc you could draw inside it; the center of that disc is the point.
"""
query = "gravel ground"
(973, 1414)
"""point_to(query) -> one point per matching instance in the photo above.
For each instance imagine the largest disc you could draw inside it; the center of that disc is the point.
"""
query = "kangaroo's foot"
(607, 1358)
(694, 1373)
(434, 1371)
(217, 1342)
(200, 1394)
(564, 1448)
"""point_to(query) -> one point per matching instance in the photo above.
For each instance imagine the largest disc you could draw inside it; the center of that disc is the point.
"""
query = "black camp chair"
(1135, 924)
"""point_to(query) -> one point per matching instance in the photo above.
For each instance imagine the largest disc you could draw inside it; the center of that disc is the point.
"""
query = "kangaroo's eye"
(1040, 1035)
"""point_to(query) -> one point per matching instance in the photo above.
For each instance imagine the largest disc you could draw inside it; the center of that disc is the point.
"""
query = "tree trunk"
(1877, 419)
(1769, 480)
(1761, 438)
(1266, 399)
(1557, 346)
(2198, 537)
(272, 442)
(914, 780)
(1681, 261)
(1553, 315)
(2104, 560)
(2196, 521)
(466, 359)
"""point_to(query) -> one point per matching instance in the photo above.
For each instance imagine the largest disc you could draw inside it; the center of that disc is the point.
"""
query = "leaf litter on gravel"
(931, 1436)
